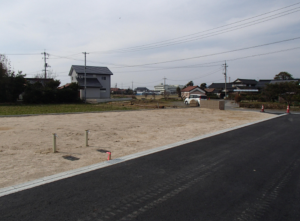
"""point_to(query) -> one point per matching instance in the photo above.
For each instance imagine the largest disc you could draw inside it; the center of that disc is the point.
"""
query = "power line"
(208, 55)
(183, 37)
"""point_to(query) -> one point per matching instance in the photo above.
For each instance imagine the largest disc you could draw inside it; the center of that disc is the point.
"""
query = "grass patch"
(60, 108)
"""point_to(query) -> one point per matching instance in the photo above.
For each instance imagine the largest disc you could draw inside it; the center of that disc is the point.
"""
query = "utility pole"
(84, 75)
(132, 85)
(164, 83)
(46, 56)
(225, 74)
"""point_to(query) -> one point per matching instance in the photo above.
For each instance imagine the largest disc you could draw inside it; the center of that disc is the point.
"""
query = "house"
(186, 92)
(261, 84)
(98, 80)
(245, 85)
(140, 90)
(115, 90)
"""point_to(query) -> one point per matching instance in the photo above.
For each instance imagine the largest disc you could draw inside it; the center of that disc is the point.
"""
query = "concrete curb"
(67, 174)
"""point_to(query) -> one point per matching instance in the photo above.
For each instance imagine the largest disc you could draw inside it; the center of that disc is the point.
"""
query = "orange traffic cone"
(288, 109)
(262, 108)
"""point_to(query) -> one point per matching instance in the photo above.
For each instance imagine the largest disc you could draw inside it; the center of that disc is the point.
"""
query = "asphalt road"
(251, 173)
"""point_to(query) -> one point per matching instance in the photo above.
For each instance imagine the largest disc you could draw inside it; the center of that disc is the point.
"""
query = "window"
(103, 78)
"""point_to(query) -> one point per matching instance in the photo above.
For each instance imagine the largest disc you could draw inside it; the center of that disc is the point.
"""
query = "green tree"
(190, 83)
(283, 76)
(286, 90)
(178, 90)
(203, 86)
(11, 84)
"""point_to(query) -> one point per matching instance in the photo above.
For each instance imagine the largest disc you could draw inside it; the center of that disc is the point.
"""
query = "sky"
(142, 42)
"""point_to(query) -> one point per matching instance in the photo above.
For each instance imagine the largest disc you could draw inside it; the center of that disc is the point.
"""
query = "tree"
(203, 86)
(166, 94)
(178, 90)
(11, 84)
(283, 76)
(190, 83)
(50, 74)
(153, 95)
(287, 90)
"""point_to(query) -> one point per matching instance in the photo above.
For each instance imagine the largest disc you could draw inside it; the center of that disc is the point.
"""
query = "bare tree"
(166, 94)
(50, 74)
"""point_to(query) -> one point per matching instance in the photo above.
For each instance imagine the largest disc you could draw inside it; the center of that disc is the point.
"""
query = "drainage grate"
(70, 158)
(102, 151)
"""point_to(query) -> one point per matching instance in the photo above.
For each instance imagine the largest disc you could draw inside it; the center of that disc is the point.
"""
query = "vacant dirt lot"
(26, 142)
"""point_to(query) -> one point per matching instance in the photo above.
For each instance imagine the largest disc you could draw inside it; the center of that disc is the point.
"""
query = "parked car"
(196, 97)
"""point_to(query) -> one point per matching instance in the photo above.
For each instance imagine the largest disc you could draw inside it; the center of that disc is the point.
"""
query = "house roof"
(189, 88)
(115, 89)
(192, 88)
(246, 81)
(141, 89)
(283, 81)
(220, 85)
(209, 90)
(64, 86)
(90, 82)
(262, 83)
(90, 70)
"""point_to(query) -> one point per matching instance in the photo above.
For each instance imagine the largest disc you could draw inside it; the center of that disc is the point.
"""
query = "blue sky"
(68, 28)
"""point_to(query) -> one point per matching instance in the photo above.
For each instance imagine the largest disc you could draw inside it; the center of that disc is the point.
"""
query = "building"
(98, 81)
(186, 92)
(140, 90)
(168, 88)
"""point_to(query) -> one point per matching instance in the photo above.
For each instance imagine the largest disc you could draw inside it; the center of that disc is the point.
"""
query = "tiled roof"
(247, 81)
(262, 83)
(189, 88)
(90, 70)
(283, 81)
(66, 85)
(220, 85)
(115, 89)
(209, 90)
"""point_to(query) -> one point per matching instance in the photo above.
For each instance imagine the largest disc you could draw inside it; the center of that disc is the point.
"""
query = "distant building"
(169, 88)
(97, 81)
(140, 90)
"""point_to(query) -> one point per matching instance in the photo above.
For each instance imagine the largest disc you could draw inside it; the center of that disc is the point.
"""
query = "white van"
(196, 97)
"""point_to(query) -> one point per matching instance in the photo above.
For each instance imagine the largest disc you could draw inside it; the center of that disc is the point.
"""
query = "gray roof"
(141, 89)
(90, 70)
(246, 81)
(90, 82)
(220, 85)
(262, 83)
(283, 81)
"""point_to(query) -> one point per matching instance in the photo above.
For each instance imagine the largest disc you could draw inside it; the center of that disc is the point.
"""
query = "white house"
(97, 81)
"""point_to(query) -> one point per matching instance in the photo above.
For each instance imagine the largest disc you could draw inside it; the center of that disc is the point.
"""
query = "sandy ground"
(26, 143)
